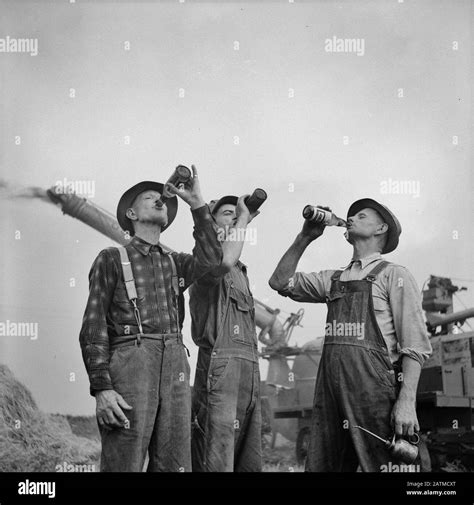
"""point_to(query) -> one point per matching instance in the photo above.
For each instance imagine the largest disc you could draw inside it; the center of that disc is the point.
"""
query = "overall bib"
(226, 433)
(151, 372)
(356, 384)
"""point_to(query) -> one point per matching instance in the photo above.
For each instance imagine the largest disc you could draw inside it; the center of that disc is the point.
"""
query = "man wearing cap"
(226, 434)
(131, 331)
(375, 342)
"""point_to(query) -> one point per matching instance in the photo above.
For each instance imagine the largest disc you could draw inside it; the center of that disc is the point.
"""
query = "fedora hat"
(127, 199)
(394, 227)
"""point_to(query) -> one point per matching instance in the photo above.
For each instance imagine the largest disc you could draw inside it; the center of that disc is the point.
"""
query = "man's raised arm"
(286, 267)
(207, 251)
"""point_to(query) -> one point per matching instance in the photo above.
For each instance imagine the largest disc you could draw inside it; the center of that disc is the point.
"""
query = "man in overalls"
(375, 342)
(131, 332)
(226, 433)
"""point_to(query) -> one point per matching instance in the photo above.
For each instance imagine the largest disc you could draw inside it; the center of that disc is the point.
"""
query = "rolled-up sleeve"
(308, 287)
(407, 313)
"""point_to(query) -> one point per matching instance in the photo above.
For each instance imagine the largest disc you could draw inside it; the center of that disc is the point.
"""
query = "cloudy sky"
(253, 95)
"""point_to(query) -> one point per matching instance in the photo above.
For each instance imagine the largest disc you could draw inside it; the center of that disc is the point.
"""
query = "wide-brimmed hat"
(394, 226)
(127, 199)
(225, 200)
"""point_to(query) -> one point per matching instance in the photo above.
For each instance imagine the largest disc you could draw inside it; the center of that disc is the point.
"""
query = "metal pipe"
(92, 215)
(438, 320)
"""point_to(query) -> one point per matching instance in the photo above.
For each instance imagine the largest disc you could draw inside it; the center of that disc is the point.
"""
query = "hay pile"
(32, 441)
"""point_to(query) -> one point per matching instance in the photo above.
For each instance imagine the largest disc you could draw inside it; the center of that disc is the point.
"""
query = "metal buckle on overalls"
(370, 278)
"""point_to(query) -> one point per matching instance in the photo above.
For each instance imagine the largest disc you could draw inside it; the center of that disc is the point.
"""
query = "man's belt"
(128, 340)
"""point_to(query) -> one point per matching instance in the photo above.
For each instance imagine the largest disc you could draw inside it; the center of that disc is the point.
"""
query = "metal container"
(404, 450)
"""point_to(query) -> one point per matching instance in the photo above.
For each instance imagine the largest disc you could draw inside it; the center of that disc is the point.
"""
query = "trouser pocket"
(382, 367)
(218, 369)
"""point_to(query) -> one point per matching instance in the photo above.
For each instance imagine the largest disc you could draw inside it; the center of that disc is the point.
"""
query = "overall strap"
(127, 274)
(372, 275)
(130, 286)
(336, 275)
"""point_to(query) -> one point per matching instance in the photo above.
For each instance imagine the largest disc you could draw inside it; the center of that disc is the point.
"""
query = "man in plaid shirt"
(133, 350)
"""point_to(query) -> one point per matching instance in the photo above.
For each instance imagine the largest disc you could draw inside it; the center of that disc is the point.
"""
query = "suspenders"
(371, 276)
(132, 290)
(130, 285)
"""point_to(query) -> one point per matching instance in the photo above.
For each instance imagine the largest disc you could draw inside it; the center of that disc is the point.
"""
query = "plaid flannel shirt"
(109, 313)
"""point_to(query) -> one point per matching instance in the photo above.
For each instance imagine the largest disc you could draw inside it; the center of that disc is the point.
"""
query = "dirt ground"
(280, 458)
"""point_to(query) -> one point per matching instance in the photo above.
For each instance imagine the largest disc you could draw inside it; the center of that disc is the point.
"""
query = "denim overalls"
(226, 434)
(356, 384)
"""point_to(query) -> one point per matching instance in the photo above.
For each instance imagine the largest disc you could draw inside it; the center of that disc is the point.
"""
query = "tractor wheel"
(302, 444)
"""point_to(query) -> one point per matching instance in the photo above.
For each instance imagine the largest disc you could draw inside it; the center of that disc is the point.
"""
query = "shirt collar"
(367, 260)
(143, 246)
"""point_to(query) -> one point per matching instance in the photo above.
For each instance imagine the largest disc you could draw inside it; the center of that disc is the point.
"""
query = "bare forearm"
(288, 263)
(411, 370)
(403, 417)
(233, 244)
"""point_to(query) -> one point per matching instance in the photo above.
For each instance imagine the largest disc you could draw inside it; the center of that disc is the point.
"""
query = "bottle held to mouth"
(255, 200)
(322, 216)
(181, 175)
